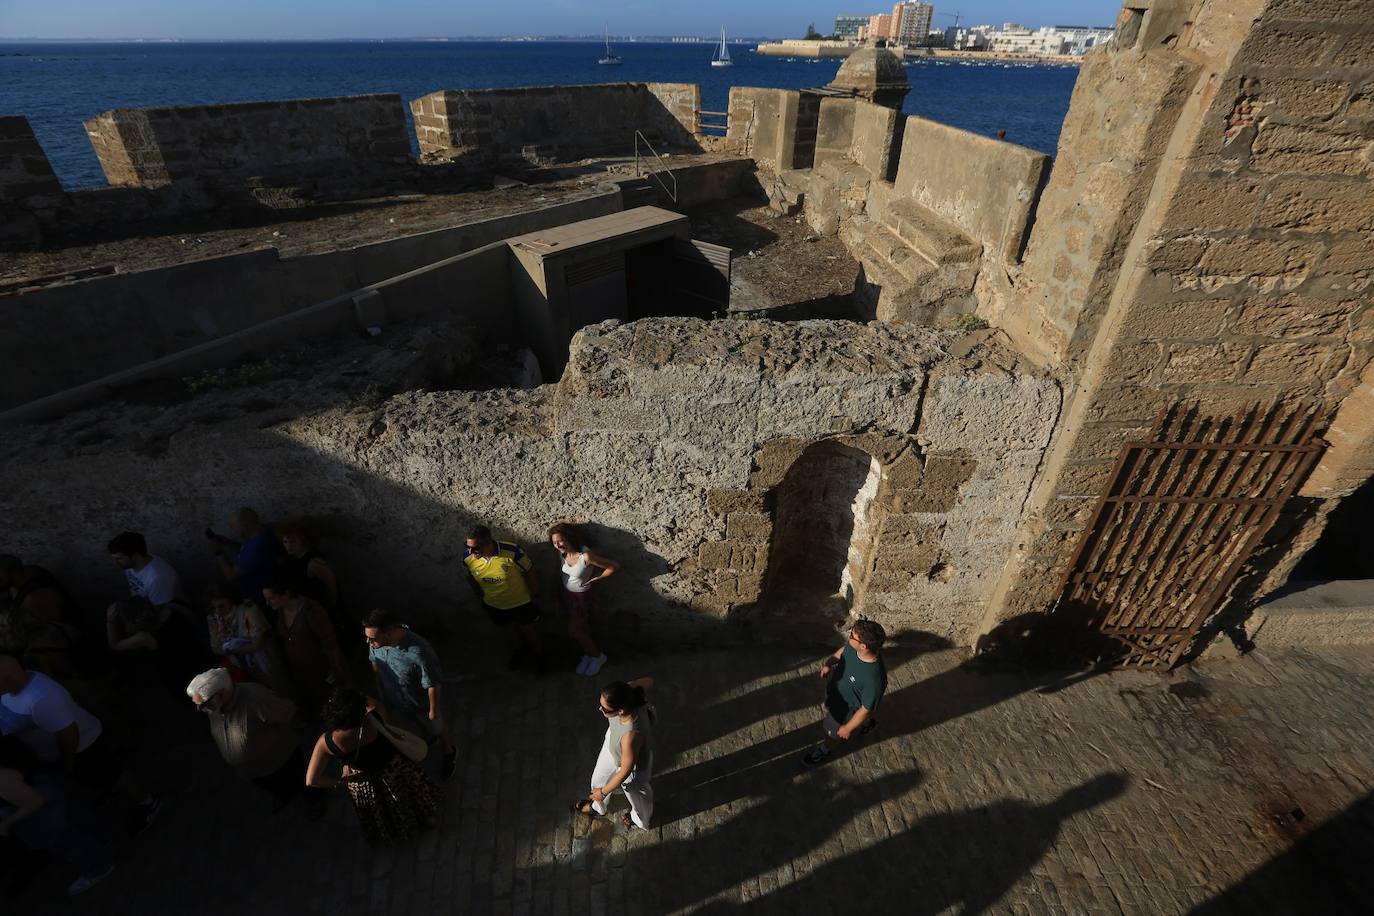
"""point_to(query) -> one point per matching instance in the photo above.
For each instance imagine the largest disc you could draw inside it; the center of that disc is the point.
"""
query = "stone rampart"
(27, 181)
(1232, 266)
(337, 137)
(543, 124)
(675, 437)
(986, 187)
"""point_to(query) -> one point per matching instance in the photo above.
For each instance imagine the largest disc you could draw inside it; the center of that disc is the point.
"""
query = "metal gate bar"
(1182, 512)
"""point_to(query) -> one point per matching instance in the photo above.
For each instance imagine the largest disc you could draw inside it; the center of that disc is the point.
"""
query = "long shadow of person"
(950, 694)
(965, 860)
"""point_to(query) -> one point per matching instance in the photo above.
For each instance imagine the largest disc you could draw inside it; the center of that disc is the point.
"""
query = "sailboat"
(610, 58)
(722, 58)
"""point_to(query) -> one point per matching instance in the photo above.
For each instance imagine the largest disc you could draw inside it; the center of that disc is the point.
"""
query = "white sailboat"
(722, 58)
(609, 58)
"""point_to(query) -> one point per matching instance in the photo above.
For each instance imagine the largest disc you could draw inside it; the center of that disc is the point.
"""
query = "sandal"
(627, 821)
(584, 806)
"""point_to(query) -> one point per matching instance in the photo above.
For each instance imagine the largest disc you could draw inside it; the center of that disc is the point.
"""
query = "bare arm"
(315, 774)
(114, 634)
(321, 570)
(831, 660)
(68, 743)
(847, 729)
(433, 703)
(627, 765)
(607, 565)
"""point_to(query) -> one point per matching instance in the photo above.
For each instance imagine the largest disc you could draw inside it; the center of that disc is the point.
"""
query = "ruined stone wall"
(148, 147)
(671, 436)
(544, 124)
(1246, 277)
(762, 124)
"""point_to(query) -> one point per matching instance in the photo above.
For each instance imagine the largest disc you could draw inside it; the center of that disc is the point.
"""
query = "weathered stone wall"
(670, 435)
(66, 335)
(986, 187)
(544, 124)
(762, 124)
(1246, 276)
(148, 147)
(27, 181)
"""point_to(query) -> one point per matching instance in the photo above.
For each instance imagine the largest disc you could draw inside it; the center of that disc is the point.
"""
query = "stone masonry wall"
(1248, 277)
(149, 147)
(544, 124)
(669, 435)
(27, 181)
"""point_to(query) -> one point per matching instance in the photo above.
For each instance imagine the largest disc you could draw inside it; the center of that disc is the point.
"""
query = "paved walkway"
(1238, 786)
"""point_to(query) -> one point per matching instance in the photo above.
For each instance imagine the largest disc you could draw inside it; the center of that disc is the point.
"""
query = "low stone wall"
(762, 124)
(986, 187)
(544, 124)
(148, 147)
(63, 336)
(673, 437)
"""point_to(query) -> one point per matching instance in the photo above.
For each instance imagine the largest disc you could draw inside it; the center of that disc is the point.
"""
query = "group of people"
(293, 705)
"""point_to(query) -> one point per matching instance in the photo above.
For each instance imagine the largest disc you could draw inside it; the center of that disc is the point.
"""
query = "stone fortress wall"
(1202, 235)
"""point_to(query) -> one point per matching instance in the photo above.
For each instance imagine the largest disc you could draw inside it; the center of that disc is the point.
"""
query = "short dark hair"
(129, 542)
(621, 696)
(245, 514)
(480, 533)
(138, 614)
(380, 619)
(870, 633)
(10, 563)
(344, 709)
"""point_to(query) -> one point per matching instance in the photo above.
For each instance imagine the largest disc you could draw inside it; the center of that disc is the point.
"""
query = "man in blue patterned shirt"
(410, 679)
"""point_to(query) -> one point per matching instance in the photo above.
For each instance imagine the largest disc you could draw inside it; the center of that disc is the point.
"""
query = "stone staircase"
(916, 266)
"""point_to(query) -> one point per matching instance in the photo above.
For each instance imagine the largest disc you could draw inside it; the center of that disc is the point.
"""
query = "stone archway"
(822, 533)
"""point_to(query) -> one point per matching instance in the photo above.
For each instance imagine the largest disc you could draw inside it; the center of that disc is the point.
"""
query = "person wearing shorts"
(855, 680)
(503, 578)
(582, 570)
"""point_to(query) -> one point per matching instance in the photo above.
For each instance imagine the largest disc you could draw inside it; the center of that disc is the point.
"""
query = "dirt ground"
(781, 267)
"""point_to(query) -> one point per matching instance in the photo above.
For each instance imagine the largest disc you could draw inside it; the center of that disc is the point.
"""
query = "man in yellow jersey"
(503, 578)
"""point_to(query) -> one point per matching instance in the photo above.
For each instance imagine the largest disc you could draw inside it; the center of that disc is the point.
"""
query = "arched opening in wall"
(1346, 545)
(822, 534)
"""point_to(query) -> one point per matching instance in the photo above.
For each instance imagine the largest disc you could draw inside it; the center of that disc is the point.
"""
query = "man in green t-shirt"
(856, 679)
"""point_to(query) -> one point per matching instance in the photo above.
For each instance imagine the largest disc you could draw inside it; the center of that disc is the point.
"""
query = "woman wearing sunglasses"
(627, 755)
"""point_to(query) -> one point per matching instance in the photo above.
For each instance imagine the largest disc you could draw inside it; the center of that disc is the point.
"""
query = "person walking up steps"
(856, 679)
(582, 571)
(626, 761)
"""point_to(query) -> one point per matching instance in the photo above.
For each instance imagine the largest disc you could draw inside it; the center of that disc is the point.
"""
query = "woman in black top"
(393, 797)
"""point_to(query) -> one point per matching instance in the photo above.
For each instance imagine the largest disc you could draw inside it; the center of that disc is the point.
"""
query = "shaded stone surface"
(1122, 793)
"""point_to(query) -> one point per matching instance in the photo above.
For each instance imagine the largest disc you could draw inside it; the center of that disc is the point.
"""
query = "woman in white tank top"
(583, 571)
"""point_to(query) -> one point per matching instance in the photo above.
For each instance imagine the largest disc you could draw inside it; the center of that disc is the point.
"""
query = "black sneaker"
(868, 726)
(450, 765)
(817, 756)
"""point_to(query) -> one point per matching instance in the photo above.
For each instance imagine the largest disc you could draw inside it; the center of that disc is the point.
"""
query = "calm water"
(57, 86)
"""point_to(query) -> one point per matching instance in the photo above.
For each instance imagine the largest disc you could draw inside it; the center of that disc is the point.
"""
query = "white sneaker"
(582, 665)
(594, 665)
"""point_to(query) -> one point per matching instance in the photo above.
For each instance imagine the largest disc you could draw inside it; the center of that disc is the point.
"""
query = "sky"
(307, 19)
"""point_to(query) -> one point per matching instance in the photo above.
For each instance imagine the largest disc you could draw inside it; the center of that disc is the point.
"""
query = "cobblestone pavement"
(1238, 786)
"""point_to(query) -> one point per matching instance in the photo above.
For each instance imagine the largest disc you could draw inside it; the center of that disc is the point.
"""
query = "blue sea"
(57, 86)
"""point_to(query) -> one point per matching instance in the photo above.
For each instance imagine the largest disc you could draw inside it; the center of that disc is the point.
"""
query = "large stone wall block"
(989, 414)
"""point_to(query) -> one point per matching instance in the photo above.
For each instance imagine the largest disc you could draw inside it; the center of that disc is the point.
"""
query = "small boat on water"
(722, 58)
(609, 59)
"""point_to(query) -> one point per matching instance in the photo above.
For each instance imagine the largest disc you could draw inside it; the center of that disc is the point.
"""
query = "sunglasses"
(607, 712)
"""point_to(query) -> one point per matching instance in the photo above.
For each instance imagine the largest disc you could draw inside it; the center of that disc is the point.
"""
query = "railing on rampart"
(722, 126)
(657, 170)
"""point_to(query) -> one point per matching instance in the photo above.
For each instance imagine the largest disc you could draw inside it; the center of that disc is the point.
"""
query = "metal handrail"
(654, 173)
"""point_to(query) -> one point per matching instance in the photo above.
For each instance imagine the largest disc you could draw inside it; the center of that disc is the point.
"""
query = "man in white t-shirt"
(42, 714)
(148, 576)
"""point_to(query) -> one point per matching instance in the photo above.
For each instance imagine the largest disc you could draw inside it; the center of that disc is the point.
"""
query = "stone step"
(936, 239)
(879, 245)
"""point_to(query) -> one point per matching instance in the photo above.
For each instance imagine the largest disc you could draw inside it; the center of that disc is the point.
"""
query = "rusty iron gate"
(1183, 511)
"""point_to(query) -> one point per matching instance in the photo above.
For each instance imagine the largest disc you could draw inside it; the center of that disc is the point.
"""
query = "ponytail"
(620, 695)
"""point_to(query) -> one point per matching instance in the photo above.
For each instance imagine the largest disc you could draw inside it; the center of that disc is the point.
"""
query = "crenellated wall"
(27, 181)
(545, 124)
(337, 137)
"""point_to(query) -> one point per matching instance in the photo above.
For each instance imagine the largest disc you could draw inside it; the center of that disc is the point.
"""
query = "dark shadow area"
(834, 307)
(720, 223)
(1326, 871)
(959, 859)
(1345, 545)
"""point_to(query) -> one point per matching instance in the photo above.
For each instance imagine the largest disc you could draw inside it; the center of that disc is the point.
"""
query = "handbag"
(409, 744)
